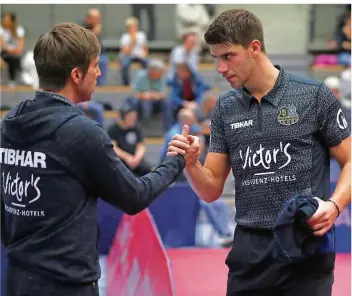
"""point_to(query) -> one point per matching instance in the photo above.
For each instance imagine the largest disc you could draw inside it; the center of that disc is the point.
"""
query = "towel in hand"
(294, 238)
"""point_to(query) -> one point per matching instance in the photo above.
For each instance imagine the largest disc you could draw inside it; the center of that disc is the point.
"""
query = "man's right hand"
(186, 145)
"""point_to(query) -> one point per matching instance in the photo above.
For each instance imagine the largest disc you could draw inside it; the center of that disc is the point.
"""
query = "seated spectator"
(185, 116)
(92, 22)
(29, 70)
(192, 18)
(341, 41)
(186, 53)
(12, 45)
(150, 87)
(93, 110)
(128, 141)
(217, 212)
(133, 48)
(203, 113)
(187, 90)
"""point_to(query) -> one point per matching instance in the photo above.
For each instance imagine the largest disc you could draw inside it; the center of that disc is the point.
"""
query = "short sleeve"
(1, 31)
(217, 131)
(20, 32)
(333, 126)
(142, 39)
(140, 83)
(140, 137)
(125, 40)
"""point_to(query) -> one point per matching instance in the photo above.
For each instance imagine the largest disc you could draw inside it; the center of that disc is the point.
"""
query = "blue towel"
(294, 238)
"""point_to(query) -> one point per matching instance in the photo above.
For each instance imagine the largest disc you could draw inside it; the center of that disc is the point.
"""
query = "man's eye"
(228, 56)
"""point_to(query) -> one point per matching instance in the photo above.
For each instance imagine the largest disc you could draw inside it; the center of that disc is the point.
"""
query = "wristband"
(337, 208)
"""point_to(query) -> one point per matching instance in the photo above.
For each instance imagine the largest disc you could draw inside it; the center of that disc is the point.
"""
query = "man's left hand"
(323, 218)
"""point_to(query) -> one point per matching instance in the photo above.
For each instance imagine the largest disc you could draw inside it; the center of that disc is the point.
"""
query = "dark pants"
(126, 62)
(254, 272)
(24, 283)
(137, 10)
(13, 65)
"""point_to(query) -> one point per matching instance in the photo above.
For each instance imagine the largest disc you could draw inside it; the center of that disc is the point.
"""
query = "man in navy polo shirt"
(276, 132)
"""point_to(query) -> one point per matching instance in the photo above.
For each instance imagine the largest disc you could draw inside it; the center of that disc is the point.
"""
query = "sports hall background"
(297, 37)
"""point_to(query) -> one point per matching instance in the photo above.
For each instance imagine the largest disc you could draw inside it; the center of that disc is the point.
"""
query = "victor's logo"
(288, 115)
(265, 157)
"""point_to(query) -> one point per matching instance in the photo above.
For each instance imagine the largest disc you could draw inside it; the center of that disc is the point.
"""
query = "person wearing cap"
(128, 141)
(133, 48)
(149, 87)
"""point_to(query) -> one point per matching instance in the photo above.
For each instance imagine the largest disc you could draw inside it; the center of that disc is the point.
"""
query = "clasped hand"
(186, 145)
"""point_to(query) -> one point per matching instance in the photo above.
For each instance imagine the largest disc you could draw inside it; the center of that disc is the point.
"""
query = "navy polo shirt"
(279, 147)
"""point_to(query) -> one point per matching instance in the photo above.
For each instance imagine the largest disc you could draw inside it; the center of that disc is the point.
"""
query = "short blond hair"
(131, 21)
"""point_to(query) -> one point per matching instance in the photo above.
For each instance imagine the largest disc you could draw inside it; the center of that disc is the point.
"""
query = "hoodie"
(55, 163)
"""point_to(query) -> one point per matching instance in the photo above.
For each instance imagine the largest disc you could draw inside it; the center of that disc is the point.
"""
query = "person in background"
(186, 53)
(134, 48)
(192, 18)
(93, 110)
(128, 141)
(12, 45)
(92, 22)
(217, 212)
(187, 90)
(150, 87)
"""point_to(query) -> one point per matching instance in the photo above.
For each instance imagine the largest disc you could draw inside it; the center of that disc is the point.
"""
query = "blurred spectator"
(133, 48)
(128, 141)
(12, 45)
(185, 53)
(93, 110)
(92, 22)
(29, 71)
(149, 9)
(203, 113)
(185, 116)
(217, 212)
(150, 88)
(187, 90)
(341, 41)
(192, 18)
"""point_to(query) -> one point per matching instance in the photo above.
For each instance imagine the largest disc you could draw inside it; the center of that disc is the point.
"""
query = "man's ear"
(76, 75)
(255, 47)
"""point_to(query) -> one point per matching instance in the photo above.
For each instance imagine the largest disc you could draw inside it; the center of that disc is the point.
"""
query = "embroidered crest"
(288, 115)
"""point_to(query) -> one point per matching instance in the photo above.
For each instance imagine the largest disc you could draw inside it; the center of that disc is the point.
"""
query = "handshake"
(186, 145)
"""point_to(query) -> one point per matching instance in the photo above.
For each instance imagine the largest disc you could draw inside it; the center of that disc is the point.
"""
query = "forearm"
(140, 95)
(133, 195)
(140, 151)
(342, 193)
(203, 182)
(122, 154)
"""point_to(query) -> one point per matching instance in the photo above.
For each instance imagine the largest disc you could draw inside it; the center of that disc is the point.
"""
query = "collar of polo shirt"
(274, 96)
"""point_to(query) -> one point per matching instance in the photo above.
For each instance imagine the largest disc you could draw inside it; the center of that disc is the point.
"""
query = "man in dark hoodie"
(55, 163)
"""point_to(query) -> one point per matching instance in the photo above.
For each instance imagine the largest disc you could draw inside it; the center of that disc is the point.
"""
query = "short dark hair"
(64, 48)
(235, 26)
